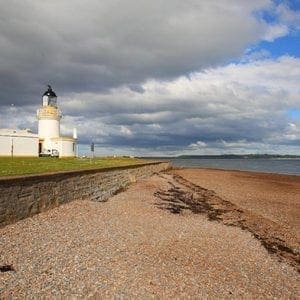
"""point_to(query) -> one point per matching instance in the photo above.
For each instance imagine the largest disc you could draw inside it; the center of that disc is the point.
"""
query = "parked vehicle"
(49, 153)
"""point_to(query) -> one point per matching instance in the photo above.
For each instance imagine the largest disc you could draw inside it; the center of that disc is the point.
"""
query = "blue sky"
(294, 114)
(283, 46)
(288, 45)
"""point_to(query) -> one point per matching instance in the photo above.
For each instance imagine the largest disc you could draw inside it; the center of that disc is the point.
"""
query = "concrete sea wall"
(25, 196)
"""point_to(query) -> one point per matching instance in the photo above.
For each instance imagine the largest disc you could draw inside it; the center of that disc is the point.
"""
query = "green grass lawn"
(19, 166)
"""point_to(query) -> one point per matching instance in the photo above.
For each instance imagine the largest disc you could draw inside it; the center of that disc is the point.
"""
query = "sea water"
(270, 165)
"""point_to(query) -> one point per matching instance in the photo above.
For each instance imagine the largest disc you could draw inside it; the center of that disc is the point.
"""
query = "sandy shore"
(189, 233)
(273, 196)
(268, 205)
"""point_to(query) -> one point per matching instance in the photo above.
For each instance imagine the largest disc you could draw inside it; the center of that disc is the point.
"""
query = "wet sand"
(174, 235)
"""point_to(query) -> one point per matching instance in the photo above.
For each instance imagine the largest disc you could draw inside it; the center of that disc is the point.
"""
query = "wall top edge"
(6, 179)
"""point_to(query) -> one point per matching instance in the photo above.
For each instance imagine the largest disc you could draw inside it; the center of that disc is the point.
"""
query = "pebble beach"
(187, 233)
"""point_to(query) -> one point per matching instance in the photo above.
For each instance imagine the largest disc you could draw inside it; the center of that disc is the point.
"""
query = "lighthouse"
(50, 140)
(49, 117)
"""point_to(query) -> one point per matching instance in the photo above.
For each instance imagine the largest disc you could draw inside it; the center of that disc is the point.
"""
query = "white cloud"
(287, 16)
(239, 104)
(275, 31)
(125, 131)
(233, 107)
(198, 145)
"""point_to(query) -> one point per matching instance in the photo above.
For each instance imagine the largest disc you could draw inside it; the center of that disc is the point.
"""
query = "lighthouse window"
(52, 102)
(73, 147)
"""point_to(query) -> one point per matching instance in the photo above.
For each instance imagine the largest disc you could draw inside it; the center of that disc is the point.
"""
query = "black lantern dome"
(49, 97)
(50, 92)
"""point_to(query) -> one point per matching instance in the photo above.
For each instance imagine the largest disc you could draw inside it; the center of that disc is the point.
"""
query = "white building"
(18, 143)
(48, 141)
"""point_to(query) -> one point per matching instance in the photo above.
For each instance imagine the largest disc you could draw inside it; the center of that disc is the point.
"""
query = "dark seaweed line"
(203, 201)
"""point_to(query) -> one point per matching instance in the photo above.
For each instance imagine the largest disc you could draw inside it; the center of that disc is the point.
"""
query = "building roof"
(64, 138)
(17, 132)
(50, 92)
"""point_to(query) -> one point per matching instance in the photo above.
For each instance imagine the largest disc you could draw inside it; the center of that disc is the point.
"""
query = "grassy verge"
(20, 166)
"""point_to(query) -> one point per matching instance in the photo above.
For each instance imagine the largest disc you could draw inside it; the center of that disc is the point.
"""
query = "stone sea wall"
(25, 196)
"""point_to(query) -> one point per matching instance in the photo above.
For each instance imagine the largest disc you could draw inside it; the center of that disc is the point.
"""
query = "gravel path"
(131, 247)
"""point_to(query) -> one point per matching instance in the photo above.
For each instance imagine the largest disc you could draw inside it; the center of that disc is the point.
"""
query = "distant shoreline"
(252, 172)
(274, 165)
(226, 156)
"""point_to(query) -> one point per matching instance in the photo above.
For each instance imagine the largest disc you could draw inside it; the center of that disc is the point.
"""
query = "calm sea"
(282, 166)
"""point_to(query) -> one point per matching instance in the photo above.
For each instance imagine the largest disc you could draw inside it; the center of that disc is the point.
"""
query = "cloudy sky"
(157, 77)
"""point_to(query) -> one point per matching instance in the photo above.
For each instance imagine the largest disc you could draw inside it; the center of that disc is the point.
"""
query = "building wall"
(48, 128)
(24, 196)
(65, 147)
(22, 146)
(47, 144)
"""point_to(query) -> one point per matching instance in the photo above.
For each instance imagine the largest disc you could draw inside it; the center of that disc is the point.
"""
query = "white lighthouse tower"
(50, 141)
(49, 118)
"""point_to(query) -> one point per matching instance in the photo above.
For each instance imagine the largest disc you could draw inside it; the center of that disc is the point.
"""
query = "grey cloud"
(93, 46)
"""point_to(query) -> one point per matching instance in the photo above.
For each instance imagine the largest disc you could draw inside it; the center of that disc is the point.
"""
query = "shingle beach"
(187, 233)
